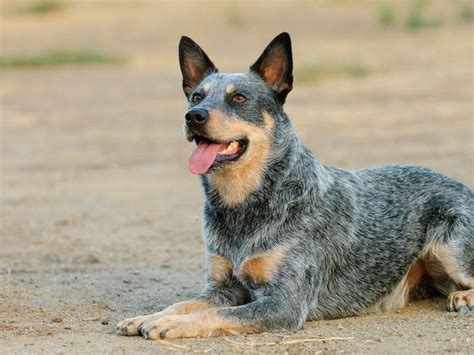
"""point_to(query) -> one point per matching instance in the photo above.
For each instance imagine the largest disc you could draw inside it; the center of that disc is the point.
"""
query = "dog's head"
(232, 117)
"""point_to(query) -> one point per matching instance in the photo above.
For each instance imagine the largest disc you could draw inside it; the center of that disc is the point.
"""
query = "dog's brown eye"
(239, 99)
(197, 98)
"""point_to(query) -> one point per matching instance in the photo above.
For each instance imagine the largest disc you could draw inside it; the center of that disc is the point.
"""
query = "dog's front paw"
(131, 326)
(461, 301)
(177, 326)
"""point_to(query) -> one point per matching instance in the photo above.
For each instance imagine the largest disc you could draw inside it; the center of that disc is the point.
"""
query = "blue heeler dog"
(290, 240)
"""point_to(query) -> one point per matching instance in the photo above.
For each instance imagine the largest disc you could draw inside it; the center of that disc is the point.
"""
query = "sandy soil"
(100, 219)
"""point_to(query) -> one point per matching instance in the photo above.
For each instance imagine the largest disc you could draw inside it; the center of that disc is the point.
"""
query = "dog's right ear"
(195, 64)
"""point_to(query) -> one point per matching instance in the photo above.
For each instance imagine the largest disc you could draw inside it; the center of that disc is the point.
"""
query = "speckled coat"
(289, 239)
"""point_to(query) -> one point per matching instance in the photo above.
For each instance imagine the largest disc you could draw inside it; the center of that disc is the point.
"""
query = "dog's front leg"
(222, 289)
(131, 326)
(284, 305)
(210, 298)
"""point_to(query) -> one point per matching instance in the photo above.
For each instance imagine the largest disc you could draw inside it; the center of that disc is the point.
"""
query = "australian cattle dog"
(289, 239)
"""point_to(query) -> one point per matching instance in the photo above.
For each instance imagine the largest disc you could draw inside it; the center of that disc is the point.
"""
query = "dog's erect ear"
(195, 64)
(275, 65)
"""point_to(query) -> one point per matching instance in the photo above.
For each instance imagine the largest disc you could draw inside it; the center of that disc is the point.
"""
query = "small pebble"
(92, 259)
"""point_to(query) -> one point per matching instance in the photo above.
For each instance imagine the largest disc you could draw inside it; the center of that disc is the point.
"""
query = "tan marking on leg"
(131, 326)
(206, 87)
(206, 323)
(416, 274)
(441, 253)
(230, 89)
(186, 307)
(458, 299)
(238, 179)
(262, 267)
(219, 268)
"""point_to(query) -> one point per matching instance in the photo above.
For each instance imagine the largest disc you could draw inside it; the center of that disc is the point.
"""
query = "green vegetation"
(39, 7)
(60, 57)
(417, 19)
(386, 14)
(466, 13)
(315, 72)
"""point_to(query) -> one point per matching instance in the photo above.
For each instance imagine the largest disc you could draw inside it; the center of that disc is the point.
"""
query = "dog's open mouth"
(208, 153)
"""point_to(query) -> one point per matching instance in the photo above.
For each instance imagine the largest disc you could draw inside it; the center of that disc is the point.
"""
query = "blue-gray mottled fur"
(352, 235)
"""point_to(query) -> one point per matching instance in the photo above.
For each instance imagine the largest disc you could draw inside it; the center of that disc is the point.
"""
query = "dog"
(289, 239)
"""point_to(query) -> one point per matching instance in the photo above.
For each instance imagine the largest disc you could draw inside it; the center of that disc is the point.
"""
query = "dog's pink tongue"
(202, 157)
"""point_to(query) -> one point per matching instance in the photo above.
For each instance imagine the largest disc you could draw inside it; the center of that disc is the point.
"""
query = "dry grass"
(417, 19)
(466, 13)
(60, 57)
(315, 72)
(40, 7)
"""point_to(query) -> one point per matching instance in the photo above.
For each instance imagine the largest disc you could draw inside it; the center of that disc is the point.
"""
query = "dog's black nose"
(196, 116)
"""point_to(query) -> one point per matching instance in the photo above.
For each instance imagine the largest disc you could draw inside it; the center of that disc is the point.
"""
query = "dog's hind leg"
(450, 260)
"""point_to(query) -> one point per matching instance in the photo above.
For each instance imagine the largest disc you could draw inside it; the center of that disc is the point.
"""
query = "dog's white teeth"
(231, 147)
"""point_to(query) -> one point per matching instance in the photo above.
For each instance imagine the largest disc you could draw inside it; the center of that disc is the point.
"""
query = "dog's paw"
(461, 302)
(131, 326)
(170, 327)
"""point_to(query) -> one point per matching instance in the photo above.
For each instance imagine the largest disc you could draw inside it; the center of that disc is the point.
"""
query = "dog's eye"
(239, 98)
(197, 98)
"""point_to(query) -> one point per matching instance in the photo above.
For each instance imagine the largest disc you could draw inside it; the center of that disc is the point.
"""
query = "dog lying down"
(290, 240)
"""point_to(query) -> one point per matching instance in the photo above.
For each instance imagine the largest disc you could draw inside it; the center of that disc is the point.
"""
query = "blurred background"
(94, 179)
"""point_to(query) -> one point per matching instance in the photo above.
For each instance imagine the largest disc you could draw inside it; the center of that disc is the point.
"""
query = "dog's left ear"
(195, 64)
(275, 65)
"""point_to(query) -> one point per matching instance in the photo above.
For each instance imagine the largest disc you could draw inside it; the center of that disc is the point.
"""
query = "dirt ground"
(100, 219)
